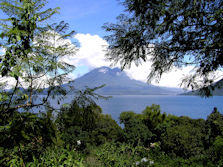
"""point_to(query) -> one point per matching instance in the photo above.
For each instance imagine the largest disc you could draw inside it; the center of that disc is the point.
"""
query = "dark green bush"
(25, 135)
(183, 137)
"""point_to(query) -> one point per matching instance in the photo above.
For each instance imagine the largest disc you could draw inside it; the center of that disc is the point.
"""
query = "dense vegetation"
(82, 136)
(78, 134)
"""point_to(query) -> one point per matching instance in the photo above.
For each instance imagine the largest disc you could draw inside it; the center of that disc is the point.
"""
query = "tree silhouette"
(170, 33)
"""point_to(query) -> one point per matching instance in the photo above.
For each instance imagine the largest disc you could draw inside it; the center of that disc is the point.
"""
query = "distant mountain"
(118, 83)
(218, 90)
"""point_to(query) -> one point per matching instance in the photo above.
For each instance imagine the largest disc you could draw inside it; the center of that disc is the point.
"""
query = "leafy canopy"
(34, 53)
(170, 33)
(33, 60)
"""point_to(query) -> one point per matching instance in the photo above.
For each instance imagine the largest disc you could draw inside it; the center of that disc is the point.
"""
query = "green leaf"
(25, 135)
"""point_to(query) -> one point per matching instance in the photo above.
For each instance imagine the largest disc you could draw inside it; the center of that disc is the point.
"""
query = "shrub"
(121, 155)
(53, 156)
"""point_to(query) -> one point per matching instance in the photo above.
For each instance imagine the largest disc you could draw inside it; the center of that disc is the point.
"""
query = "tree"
(183, 137)
(214, 136)
(82, 119)
(34, 54)
(26, 135)
(154, 120)
(33, 60)
(152, 116)
(172, 33)
(106, 129)
(136, 132)
(214, 127)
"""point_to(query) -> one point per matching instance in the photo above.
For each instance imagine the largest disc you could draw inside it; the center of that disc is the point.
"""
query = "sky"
(86, 18)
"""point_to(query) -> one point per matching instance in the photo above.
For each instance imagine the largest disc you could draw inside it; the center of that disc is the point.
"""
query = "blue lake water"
(192, 106)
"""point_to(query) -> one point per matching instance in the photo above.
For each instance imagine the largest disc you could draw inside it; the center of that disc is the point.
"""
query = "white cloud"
(170, 79)
(8, 82)
(91, 52)
(53, 39)
(71, 76)
(103, 70)
(139, 72)
(175, 76)
(2, 51)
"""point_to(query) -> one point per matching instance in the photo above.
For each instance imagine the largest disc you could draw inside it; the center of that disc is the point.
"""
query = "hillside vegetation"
(80, 135)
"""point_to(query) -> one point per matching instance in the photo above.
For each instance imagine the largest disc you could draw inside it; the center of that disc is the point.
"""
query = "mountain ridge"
(118, 83)
(215, 89)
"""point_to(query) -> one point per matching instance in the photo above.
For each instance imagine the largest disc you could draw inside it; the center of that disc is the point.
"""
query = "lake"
(192, 106)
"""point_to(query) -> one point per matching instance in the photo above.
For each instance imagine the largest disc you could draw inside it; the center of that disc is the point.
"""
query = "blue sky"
(87, 16)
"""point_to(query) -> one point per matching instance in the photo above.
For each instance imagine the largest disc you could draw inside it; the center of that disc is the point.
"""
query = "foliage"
(82, 121)
(75, 123)
(25, 135)
(120, 155)
(33, 60)
(184, 138)
(213, 137)
(163, 160)
(61, 157)
(136, 132)
(153, 117)
(53, 156)
(106, 130)
(87, 124)
(143, 128)
(154, 120)
(214, 127)
(170, 33)
(88, 96)
(33, 56)
(179, 141)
